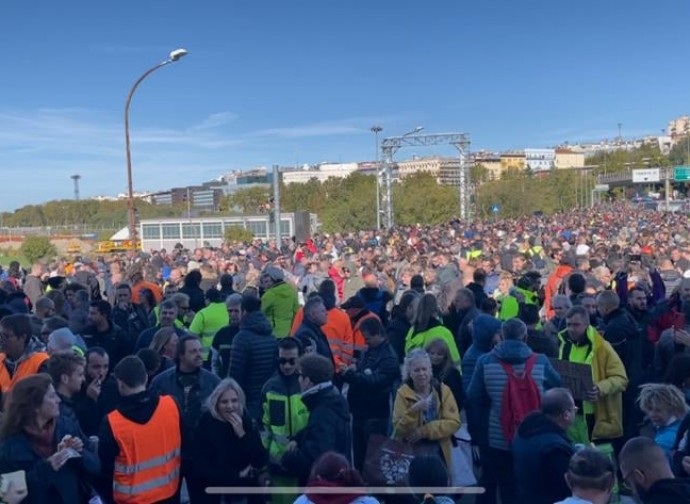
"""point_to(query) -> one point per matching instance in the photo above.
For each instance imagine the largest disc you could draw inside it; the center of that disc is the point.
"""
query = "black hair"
(290, 343)
(103, 307)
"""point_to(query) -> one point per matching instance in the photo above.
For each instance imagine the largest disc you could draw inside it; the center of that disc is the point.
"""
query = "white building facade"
(540, 160)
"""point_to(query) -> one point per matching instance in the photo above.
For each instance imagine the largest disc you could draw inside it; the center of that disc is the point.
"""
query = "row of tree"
(350, 204)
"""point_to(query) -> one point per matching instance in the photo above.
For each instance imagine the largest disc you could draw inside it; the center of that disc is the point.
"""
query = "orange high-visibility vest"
(338, 331)
(147, 470)
(27, 367)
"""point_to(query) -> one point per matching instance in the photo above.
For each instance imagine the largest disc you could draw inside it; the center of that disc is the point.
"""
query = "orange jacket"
(27, 366)
(147, 469)
(552, 285)
(338, 330)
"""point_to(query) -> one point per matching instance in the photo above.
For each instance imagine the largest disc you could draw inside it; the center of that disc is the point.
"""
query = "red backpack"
(520, 397)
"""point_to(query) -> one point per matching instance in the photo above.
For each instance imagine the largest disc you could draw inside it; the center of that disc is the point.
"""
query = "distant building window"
(151, 231)
(171, 231)
(191, 230)
(213, 230)
(259, 228)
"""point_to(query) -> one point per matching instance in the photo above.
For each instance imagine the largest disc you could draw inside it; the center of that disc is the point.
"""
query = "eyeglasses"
(283, 361)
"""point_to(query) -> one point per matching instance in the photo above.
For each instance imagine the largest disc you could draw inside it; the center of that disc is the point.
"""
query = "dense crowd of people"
(544, 359)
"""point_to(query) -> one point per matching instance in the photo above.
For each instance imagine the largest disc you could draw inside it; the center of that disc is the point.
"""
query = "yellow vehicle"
(109, 246)
(74, 247)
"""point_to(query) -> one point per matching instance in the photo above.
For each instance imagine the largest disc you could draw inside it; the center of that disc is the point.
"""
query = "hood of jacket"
(330, 398)
(513, 351)
(484, 327)
(256, 322)
(282, 290)
(139, 407)
(537, 423)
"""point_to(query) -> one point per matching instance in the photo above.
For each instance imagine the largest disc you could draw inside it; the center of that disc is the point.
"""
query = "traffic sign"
(646, 175)
(681, 173)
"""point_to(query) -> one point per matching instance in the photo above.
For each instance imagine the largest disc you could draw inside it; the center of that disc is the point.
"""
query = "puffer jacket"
(489, 381)
(280, 305)
(254, 358)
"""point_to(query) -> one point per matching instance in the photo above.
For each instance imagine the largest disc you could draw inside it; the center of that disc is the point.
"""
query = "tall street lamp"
(376, 130)
(131, 212)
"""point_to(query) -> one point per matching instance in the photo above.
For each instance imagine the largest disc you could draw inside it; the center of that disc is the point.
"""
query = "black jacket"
(138, 408)
(668, 491)
(620, 329)
(133, 320)
(44, 484)
(91, 413)
(328, 429)
(114, 341)
(254, 359)
(311, 335)
(541, 453)
(678, 455)
(459, 322)
(453, 380)
(192, 402)
(479, 294)
(222, 345)
(220, 455)
(373, 382)
(397, 332)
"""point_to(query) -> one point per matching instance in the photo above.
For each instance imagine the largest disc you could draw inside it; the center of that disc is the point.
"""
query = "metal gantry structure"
(384, 172)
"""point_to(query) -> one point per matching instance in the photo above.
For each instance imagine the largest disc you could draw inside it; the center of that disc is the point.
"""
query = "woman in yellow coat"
(425, 411)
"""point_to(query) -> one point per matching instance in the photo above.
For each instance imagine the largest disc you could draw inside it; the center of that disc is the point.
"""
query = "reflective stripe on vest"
(26, 367)
(137, 490)
(147, 469)
(148, 464)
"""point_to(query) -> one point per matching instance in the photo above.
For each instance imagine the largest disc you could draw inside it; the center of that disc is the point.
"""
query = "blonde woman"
(665, 407)
(425, 411)
(228, 446)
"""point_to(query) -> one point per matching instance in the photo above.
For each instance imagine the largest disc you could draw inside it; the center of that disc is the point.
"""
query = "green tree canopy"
(35, 248)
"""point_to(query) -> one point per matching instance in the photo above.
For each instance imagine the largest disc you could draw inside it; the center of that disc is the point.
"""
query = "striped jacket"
(489, 381)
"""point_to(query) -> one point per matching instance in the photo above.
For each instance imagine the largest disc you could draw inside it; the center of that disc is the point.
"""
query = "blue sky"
(302, 81)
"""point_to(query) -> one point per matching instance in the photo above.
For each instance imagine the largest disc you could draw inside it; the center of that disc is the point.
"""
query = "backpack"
(521, 397)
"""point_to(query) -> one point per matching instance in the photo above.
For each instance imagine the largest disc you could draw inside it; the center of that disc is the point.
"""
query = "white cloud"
(215, 121)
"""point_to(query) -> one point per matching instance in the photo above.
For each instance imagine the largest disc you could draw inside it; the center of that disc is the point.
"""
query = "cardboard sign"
(576, 377)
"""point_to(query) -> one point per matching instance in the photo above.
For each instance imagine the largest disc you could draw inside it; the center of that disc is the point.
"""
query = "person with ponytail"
(332, 470)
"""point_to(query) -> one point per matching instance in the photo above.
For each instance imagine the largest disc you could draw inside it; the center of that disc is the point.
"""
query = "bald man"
(646, 469)
(542, 450)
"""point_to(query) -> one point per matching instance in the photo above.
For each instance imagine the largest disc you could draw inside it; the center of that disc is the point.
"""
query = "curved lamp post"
(131, 213)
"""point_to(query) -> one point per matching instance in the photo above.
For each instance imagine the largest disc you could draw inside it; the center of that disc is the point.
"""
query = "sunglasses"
(283, 360)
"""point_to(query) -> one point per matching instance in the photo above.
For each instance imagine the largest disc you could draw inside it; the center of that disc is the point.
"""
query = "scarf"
(42, 439)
